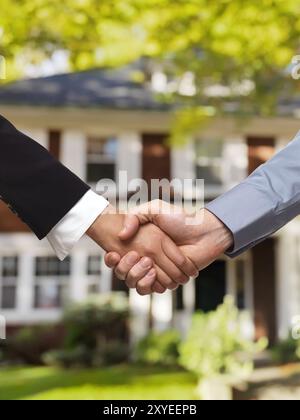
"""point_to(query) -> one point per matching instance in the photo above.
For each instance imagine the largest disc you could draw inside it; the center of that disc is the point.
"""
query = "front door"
(263, 256)
(210, 287)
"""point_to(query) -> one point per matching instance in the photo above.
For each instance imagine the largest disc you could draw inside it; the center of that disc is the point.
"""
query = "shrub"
(286, 351)
(215, 344)
(159, 348)
(96, 333)
(28, 344)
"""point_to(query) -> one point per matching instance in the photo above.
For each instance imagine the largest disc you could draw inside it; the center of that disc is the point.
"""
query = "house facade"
(111, 125)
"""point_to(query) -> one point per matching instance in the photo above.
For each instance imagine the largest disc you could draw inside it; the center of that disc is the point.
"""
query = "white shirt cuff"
(74, 225)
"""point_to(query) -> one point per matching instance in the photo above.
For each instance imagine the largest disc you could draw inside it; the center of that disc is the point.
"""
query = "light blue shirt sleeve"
(265, 202)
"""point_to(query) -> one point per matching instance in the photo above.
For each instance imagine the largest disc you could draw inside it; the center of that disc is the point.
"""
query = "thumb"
(130, 227)
(112, 259)
(140, 215)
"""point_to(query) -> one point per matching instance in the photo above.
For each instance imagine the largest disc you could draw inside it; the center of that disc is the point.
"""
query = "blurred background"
(160, 89)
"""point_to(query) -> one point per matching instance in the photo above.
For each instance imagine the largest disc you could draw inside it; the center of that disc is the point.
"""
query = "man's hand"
(202, 241)
(165, 266)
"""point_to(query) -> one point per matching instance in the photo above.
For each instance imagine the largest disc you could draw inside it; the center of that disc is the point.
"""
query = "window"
(9, 279)
(209, 162)
(94, 265)
(51, 282)
(101, 159)
(51, 266)
(94, 273)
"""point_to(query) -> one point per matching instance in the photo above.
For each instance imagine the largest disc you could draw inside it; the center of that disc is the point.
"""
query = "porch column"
(78, 278)
(25, 285)
(183, 161)
(288, 283)
(73, 152)
(140, 311)
(130, 154)
(162, 311)
(235, 161)
(106, 278)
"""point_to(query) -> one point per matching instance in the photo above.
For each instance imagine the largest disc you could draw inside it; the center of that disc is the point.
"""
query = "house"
(100, 122)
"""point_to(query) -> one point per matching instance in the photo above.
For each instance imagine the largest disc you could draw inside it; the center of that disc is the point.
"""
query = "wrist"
(106, 227)
(214, 229)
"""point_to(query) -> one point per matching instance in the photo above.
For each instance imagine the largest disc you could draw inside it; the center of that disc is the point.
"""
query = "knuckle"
(166, 283)
(130, 284)
(173, 286)
(145, 263)
(120, 273)
(132, 279)
(182, 279)
(141, 291)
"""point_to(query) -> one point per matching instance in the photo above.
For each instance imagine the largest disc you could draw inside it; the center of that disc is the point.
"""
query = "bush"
(287, 351)
(96, 333)
(215, 344)
(159, 349)
(28, 344)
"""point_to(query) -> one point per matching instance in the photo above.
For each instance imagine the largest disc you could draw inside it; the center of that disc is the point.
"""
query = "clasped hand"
(154, 248)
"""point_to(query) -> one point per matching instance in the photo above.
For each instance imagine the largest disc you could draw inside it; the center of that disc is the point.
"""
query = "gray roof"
(98, 88)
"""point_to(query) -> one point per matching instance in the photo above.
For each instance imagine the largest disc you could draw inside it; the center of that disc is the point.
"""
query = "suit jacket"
(38, 188)
(264, 202)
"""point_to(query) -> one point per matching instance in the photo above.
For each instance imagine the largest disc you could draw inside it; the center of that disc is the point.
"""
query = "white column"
(39, 135)
(78, 278)
(139, 309)
(162, 311)
(189, 296)
(25, 287)
(286, 255)
(130, 154)
(183, 161)
(235, 161)
(73, 152)
(231, 279)
(106, 278)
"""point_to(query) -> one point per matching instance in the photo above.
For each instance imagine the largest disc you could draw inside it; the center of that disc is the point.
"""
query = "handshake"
(157, 246)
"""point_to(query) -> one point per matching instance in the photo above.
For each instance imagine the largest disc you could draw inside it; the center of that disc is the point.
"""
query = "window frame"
(59, 280)
(93, 279)
(8, 281)
(95, 159)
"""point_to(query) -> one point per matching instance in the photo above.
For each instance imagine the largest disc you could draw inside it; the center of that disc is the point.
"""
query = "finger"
(172, 271)
(112, 259)
(126, 264)
(184, 264)
(158, 288)
(165, 280)
(130, 227)
(144, 286)
(138, 272)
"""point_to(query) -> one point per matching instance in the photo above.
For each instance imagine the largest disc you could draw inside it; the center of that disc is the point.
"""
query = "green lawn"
(122, 382)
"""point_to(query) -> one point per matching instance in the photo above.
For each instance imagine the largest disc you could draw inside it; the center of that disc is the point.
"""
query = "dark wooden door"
(156, 163)
(261, 149)
(210, 287)
(156, 157)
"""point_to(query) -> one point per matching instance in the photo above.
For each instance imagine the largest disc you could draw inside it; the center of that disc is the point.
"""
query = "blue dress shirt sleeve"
(265, 202)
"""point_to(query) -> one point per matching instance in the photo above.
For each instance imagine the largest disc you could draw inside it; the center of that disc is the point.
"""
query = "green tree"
(244, 45)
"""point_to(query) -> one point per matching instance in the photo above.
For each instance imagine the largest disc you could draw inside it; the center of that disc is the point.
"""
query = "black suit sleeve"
(33, 183)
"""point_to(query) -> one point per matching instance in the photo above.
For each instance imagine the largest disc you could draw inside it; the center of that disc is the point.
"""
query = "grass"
(121, 382)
